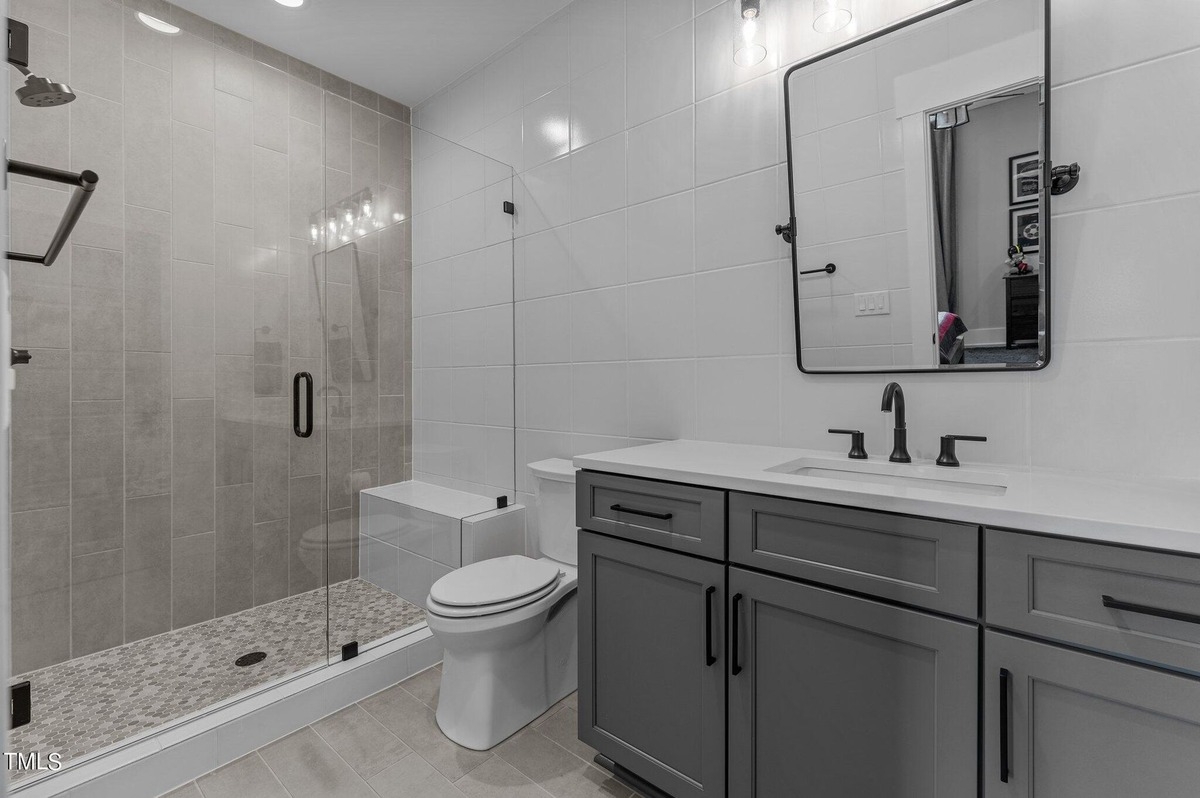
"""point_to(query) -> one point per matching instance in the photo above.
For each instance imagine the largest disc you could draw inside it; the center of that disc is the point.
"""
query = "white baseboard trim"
(159, 761)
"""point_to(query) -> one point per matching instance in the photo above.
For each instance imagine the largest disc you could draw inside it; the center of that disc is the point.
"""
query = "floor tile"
(248, 777)
(569, 701)
(414, 723)
(556, 770)
(563, 728)
(361, 740)
(496, 778)
(189, 790)
(413, 777)
(308, 768)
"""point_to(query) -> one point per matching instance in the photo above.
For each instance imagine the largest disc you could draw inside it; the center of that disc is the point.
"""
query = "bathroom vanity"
(753, 622)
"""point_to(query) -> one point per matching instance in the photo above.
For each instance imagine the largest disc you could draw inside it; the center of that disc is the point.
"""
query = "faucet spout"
(893, 402)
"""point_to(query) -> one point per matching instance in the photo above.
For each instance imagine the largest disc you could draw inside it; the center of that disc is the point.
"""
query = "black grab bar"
(85, 184)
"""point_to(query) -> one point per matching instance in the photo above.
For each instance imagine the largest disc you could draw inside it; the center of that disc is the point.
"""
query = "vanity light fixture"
(830, 16)
(156, 24)
(290, 3)
(749, 41)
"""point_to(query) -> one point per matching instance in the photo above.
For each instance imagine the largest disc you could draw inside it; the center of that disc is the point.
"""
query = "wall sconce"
(750, 38)
(950, 118)
(830, 16)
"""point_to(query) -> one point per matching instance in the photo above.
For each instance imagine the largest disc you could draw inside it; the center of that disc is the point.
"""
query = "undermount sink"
(897, 475)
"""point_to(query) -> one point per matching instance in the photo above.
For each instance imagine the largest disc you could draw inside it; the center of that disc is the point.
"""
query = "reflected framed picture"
(1024, 181)
(1025, 224)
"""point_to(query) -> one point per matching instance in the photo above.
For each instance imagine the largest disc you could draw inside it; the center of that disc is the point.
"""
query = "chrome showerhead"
(44, 93)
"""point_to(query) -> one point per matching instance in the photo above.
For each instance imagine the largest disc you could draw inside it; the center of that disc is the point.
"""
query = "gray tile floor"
(389, 746)
(91, 702)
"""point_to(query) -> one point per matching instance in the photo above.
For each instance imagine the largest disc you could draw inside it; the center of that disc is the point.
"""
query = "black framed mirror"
(919, 186)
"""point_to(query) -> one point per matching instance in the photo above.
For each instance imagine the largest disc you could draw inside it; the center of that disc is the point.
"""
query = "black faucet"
(893, 395)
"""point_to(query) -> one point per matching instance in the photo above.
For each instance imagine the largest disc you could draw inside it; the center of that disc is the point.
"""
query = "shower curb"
(162, 761)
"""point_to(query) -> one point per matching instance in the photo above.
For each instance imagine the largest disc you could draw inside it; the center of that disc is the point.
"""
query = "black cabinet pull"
(709, 658)
(735, 658)
(306, 430)
(1005, 678)
(1142, 609)
(616, 508)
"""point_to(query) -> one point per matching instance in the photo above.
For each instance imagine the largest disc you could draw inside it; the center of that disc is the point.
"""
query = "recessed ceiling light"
(156, 24)
(290, 3)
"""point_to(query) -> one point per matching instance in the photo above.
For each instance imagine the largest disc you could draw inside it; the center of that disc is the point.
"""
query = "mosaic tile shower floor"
(87, 703)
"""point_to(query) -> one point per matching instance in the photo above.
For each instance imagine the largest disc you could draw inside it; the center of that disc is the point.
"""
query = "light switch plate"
(876, 303)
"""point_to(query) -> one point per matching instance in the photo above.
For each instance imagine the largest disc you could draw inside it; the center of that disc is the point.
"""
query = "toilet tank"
(554, 503)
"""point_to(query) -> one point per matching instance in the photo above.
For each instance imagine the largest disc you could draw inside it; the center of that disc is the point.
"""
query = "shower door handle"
(307, 429)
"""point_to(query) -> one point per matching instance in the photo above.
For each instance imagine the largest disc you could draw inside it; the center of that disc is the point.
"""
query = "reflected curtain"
(945, 219)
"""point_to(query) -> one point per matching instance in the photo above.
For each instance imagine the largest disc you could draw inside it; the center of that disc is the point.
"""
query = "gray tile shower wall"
(156, 479)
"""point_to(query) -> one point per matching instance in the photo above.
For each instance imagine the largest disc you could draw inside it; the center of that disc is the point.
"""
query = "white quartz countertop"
(1154, 514)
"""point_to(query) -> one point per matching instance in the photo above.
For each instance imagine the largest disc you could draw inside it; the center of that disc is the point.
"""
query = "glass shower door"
(414, 225)
(168, 521)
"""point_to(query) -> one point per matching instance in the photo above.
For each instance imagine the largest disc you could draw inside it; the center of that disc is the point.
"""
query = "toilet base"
(493, 688)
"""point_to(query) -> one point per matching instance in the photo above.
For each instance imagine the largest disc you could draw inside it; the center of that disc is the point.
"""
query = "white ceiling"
(403, 49)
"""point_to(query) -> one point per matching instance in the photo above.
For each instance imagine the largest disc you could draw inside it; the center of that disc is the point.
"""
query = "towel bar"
(85, 184)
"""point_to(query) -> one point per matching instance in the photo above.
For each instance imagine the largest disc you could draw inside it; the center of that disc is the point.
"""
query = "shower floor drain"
(253, 658)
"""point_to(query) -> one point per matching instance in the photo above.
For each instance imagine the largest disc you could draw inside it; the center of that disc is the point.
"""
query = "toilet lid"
(493, 581)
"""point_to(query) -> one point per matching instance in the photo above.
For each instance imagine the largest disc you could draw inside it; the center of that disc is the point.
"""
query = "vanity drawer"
(919, 561)
(1057, 588)
(680, 517)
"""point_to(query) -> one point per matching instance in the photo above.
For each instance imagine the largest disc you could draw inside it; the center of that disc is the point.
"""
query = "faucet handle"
(857, 439)
(948, 458)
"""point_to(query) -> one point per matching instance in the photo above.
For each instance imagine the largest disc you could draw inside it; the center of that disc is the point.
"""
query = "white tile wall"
(701, 337)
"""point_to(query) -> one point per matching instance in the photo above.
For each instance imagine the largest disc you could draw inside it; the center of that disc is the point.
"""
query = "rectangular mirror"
(918, 166)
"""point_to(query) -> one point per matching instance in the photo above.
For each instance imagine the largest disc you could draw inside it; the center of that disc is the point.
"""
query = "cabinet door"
(837, 696)
(651, 664)
(1063, 724)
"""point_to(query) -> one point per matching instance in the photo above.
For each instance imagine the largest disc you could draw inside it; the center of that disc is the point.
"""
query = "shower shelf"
(85, 184)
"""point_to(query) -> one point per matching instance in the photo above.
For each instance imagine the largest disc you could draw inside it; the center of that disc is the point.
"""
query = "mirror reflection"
(917, 162)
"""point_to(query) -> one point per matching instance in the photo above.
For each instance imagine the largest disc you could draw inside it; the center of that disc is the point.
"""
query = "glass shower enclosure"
(221, 360)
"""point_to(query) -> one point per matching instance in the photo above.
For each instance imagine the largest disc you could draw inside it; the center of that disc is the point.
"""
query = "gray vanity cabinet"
(652, 676)
(1068, 724)
(835, 695)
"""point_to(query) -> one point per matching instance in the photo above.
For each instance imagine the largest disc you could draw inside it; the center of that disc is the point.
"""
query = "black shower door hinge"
(350, 650)
(20, 704)
(510, 208)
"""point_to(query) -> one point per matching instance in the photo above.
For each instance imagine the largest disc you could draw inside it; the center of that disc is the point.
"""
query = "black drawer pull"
(1157, 612)
(710, 659)
(616, 508)
(1005, 765)
(735, 658)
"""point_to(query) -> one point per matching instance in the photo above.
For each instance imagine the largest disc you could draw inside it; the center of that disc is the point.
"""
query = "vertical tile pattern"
(156, 480)
(147, 566)
(41, 589)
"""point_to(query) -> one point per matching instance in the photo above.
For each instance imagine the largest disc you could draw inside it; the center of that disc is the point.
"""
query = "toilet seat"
(492, 586)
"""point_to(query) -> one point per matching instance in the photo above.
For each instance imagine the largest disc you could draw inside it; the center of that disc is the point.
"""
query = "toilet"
(508, 625)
